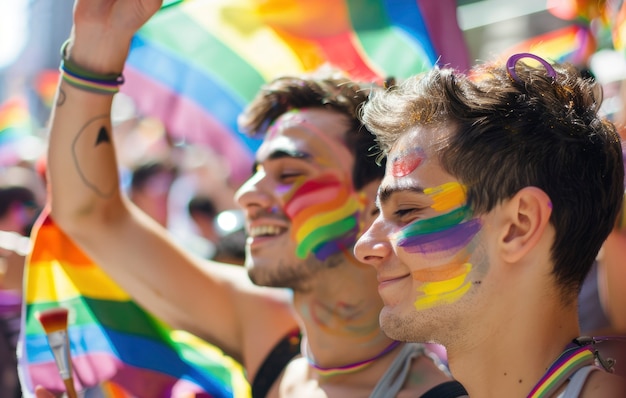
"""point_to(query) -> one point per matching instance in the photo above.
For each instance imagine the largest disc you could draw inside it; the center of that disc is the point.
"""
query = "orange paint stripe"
(442, 272)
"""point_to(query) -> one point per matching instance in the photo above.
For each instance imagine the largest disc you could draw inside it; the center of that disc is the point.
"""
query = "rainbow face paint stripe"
(447, 290)
(447, 196)
(437, 234)
(324, 214)
(448, 233)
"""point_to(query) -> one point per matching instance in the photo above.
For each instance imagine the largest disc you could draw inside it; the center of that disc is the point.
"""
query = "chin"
(403, 327)
(279, 273)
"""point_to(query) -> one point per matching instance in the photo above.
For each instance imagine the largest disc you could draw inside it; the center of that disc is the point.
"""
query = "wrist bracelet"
(87, 80)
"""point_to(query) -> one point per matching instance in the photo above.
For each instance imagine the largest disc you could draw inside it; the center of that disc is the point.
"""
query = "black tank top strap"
(449, 389)
(275, 362)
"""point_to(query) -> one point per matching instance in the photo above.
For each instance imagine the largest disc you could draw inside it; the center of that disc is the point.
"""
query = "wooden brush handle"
(69, 388)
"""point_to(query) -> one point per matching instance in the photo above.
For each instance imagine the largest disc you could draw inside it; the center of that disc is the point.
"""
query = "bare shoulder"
(604, 385)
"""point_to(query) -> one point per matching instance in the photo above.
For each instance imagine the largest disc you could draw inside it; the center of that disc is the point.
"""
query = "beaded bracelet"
(86, 80)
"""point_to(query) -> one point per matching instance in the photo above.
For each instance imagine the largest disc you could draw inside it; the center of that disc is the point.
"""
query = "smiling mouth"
(392, 280)
(265, 231)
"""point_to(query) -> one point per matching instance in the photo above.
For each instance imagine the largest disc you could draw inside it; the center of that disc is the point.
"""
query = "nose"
(251, 195)
(373, 247)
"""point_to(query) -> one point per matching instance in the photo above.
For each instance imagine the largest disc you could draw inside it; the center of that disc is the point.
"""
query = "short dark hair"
(326, 90)
(506, 134)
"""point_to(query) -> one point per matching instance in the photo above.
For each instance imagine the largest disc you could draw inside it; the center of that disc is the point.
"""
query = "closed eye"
(403, 212)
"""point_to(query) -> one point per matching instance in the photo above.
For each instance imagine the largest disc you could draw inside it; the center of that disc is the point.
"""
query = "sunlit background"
(31, 32)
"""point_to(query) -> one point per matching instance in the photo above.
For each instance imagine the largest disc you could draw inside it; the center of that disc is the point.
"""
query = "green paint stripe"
(203, 51)
(325, 234)
(438, 223)
(121, 316)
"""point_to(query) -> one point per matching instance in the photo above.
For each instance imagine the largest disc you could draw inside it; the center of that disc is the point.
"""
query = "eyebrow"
(385, 193)
(282, 154)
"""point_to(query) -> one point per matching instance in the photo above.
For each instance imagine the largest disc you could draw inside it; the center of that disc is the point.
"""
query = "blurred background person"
(21, 199)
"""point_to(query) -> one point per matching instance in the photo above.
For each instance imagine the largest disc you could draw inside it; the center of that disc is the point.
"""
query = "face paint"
(442, 235)
(446, 196)
(324, 214)
(407, 161)
(297, 118)
(443, 284)
(437, 234)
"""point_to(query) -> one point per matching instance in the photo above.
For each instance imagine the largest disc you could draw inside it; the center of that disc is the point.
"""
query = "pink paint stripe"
(181, 114)
(89, 370)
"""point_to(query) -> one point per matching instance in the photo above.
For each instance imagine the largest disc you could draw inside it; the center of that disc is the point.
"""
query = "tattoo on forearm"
(103, 136)
(93, 154)
(60, 98)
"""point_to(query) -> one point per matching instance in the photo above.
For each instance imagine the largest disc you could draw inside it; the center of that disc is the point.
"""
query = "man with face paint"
(311, 194)
(500, 188)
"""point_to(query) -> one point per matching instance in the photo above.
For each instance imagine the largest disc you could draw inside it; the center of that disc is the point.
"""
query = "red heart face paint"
(406, 161)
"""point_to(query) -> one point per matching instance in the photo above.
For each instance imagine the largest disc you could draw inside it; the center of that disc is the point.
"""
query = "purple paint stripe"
(451, 239)
(327, 249)
(182, 114)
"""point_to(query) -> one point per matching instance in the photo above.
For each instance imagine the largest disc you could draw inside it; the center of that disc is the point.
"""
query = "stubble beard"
(296, 275)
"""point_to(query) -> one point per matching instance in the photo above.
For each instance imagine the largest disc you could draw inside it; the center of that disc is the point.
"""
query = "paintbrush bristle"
(53, 320)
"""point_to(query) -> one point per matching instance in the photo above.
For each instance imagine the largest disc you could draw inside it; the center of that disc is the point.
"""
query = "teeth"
(265, 230)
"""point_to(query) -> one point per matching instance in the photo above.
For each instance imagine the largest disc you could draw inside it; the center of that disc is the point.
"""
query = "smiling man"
(310, 196)
(499, 190)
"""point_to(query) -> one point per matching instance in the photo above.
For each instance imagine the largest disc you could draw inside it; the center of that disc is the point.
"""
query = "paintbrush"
(54, 322)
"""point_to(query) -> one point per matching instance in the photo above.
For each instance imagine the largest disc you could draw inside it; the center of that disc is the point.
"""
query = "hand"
(116, 15)
(103, 29)
(41, 392)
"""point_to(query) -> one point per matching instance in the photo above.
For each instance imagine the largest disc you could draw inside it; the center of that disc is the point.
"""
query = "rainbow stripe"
(574, 44)
(16, 130)
(197, 63)
(324, 214)
(618, 29)
(116, 345)
(15, 120)
(569, 362)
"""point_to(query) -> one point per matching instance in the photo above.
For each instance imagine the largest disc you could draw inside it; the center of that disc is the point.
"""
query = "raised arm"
(211, 300)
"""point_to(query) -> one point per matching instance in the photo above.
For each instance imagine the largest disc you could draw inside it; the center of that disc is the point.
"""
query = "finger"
(41, 392)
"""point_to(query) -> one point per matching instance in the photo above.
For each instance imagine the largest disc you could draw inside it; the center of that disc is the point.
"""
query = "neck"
(514, 353)
(339, 315)
(347, 368)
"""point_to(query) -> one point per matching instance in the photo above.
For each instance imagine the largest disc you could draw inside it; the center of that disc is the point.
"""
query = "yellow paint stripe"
(325, 219)
(447, 196)
(425, 302)
(52, 281)
(447, 291)
(240, 27)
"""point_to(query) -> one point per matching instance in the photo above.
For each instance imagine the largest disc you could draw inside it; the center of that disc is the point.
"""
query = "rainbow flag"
(197, 63)
(618, 29)
(118, 349)
(16, 126)
(45, 85)
(574, 43)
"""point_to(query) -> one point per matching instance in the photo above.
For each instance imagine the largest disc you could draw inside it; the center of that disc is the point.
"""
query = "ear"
(370, 212)
(526, 217)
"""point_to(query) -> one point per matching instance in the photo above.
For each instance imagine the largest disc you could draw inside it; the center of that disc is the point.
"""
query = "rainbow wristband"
(83, 79)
